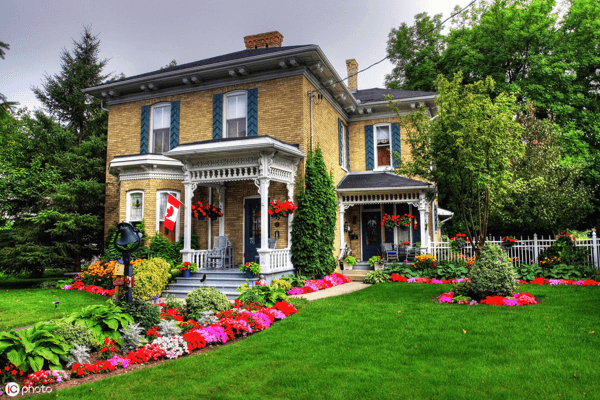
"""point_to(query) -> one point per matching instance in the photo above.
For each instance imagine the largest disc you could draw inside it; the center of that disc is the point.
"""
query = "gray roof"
(376, 94)
(238, 55)
(378, 180)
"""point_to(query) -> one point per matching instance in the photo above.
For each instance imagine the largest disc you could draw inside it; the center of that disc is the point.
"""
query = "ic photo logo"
(11, 389)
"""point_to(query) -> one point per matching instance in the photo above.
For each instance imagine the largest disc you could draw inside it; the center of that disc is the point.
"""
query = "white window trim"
(151, 138)
(178, 197)
(225, 96)
(383, 167)
(344, 150)
(128, 209)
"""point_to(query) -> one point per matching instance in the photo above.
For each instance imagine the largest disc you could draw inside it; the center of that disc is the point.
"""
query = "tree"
(314, 223)
(171, 64)
(57, 221)
(471, 143)
(5, 105)
(546, 195)
(546, 55)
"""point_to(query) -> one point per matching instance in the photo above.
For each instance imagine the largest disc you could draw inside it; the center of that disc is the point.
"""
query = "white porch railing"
(526, 250)
(276, 259)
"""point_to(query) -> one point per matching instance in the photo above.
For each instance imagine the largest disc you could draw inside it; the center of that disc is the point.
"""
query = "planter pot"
(347, 266)
(379, 267)
(248, 274)
(213, 217)
(507, 245)
(186, 273)
(404, 228)
(201, 217)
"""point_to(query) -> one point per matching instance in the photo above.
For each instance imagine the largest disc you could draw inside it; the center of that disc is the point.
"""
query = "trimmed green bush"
(285, 285)
(206, 299)
(492, 274)
(145, 314)
(72, 334)
(151, 277)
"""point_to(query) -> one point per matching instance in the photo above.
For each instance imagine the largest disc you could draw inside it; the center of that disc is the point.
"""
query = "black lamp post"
(129, 235)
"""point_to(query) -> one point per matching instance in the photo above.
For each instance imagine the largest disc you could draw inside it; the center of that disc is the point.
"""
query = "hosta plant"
(376, 277)
(528, 272)
(264, 295)
(34, 348)
(103, 320)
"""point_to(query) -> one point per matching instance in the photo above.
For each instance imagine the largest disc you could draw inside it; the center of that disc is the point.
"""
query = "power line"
(420, 37)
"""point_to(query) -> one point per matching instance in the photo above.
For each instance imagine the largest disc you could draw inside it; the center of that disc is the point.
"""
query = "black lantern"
(127, 235)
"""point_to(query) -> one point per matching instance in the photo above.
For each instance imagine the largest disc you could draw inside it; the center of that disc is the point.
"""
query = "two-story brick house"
(234, 130)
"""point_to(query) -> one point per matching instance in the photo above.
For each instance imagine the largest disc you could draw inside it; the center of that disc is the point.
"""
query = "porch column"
(187, 226)
(290, 188)
(424, 219)
(263, 190)
(222, 207)
(342, 214)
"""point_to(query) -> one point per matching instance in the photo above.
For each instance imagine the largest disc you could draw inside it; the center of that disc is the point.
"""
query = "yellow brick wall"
(280, 115)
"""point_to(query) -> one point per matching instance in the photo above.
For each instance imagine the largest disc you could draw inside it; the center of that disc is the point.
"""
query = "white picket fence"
(526, 250)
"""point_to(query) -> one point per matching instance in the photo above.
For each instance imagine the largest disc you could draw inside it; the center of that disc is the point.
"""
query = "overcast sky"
(142, 36)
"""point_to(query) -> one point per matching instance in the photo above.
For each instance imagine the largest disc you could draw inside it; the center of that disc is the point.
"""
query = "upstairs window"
(382, 146)
(344, 150)
(235, 108)
(161, 128)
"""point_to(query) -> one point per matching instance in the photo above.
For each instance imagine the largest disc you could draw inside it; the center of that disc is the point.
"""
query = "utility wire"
(420, 37)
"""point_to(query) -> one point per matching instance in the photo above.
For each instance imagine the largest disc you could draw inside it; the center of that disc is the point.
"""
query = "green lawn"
(22, 307)
(23, 282)
(359, 346)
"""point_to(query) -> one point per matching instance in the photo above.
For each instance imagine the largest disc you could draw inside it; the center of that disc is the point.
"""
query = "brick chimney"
(262, 40)
(352, 67)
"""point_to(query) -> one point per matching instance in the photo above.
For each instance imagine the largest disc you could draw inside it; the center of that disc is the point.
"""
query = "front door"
(252, 229)
(371, 234)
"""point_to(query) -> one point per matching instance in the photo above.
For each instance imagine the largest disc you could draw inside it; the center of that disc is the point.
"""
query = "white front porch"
(265, 164)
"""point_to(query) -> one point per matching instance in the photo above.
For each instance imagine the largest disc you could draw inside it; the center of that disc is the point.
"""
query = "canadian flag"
(172, 212)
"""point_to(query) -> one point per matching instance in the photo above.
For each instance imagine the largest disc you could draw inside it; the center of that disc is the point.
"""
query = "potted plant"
(186, 267)
(376, 262)
(277, 209)
(406, 243)
(251, 269)
(204, 210)
(508, 242)
(458, 242)
(349, 261)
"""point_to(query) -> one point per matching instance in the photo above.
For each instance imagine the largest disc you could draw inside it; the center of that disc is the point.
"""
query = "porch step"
(356, 275)
(225, 281)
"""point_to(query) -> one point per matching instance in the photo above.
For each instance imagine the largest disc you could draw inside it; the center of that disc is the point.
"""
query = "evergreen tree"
(314, 223)
(57, 222)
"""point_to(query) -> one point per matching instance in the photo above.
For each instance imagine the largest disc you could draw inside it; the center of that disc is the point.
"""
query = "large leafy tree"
(548, 55)
(315, 220)
(56, 220)
(471, 144)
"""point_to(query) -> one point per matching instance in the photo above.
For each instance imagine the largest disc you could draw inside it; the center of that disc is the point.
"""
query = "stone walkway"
(335, 291)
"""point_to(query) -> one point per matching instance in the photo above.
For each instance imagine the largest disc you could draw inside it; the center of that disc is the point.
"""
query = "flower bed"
(519, 299)
(315, 285)
(89, 288)
(537, 281)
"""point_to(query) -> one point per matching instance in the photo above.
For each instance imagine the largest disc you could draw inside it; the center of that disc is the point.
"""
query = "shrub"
(563, 251)
(425, 265)
(111, 253)
(151, 277)
(98, 274)
(48, 285)
(75, 334)
(163, 248)
(145, 314)
(133, 336)
(492, 274)
(264, 295)
(402, 269)
(103, 320)
(376, 277)
(34, 348)
(206, 299)
(462, 288)
(285, 285)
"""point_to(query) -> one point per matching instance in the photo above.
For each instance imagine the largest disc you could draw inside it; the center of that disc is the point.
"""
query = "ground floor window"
(135, 207)
(161, 206)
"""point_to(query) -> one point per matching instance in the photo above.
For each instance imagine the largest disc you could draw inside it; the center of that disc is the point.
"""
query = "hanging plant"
(204, 210)
(402, 221)
(279, 209)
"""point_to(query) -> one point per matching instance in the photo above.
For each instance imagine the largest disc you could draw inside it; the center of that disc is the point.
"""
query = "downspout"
(311, 94)
(102, 106)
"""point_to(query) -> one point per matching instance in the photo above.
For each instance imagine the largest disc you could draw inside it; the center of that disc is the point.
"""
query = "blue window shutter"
(174, 137)
(396, 141)
(435, 217)
(252, 120)
(370, 157)
(347, 149)
(144, 136)
(218, 116)
(340, 141)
